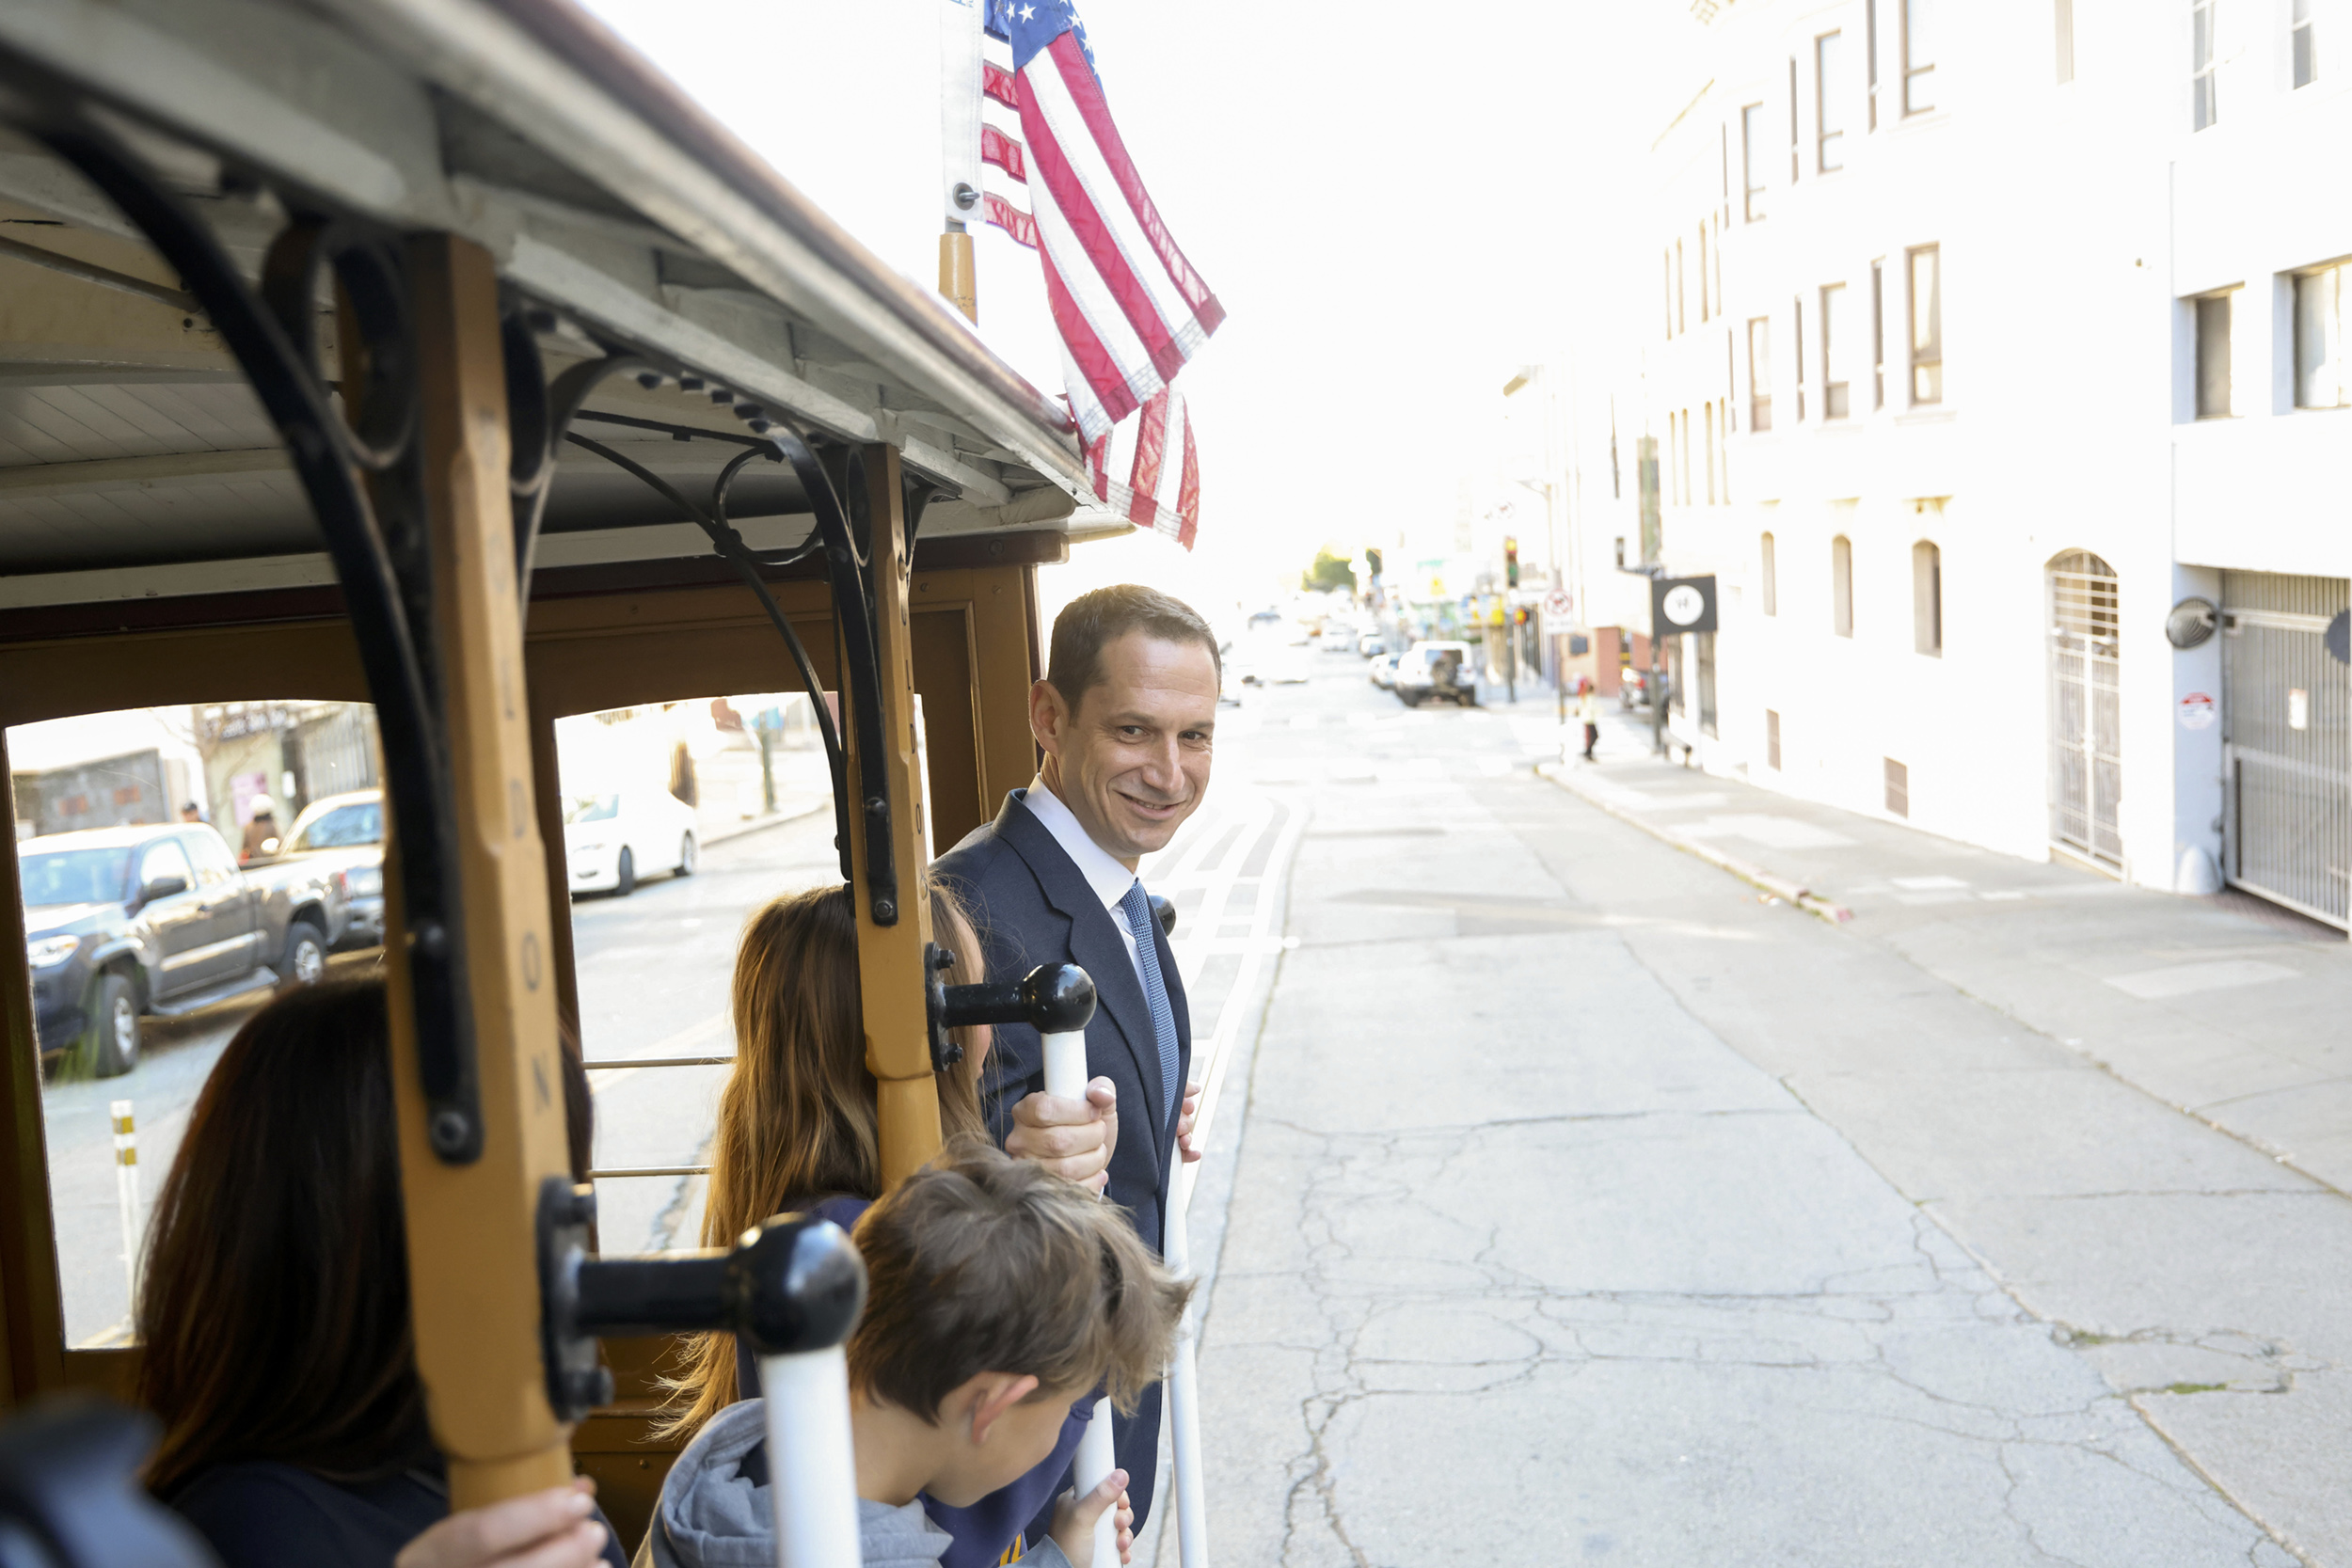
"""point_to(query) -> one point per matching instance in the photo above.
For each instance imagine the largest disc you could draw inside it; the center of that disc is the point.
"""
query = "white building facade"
(1986, 335)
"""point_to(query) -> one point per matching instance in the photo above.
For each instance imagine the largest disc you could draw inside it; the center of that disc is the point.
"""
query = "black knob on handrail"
(1052, 999)
(793, 1283)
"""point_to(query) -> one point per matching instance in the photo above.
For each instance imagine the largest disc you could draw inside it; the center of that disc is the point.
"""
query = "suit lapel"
(1095, 946)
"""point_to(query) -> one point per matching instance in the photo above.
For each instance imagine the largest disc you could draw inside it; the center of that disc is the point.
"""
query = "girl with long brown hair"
(798, 1130)
(274, 1312)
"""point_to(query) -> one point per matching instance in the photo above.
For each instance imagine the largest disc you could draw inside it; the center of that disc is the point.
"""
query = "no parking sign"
(2197, 711)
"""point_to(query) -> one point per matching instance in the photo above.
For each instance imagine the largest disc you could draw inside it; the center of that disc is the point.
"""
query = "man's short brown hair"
(1092, 621)
(982, 1263)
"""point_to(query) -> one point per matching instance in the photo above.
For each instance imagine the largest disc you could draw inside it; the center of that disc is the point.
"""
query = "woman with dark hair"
(799, 1131)
(274, 1313)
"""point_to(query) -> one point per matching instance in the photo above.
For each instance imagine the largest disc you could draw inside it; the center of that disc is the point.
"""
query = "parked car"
(1632, 688)
(612, 837)
(1372, 644)
(1384, 671)
(342, 837)
(121, 923)
(1436, 669)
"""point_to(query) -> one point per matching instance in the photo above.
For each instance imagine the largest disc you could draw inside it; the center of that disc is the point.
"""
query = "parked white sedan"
(612, 837)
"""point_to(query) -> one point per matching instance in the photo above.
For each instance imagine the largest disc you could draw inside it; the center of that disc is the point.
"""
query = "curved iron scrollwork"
(382, 562)
(849, 571)
(730, 546)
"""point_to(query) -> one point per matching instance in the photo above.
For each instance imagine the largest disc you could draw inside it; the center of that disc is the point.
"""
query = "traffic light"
(1510, 563)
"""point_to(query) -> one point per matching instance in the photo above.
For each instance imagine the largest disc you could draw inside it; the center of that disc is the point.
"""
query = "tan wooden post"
(472, 1273)
(890, 957)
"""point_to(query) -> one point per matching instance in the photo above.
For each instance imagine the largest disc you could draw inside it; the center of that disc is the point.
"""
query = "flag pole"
(959, 150)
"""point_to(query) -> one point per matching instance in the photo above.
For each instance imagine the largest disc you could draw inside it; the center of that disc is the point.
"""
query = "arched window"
(1841, 585)
(2086, 714)
(1927, 598)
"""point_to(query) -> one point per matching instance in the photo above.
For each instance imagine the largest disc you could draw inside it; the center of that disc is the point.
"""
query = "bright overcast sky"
(1395, 203)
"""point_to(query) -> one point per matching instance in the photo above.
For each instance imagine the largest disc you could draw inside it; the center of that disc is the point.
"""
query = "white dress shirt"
(1109, 880)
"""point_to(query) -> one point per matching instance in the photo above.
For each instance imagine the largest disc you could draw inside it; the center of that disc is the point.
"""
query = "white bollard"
(1066, 1076)
(127, 1197)
(812, 1467)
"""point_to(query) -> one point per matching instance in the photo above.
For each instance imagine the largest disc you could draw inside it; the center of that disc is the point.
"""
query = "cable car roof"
(134, 461)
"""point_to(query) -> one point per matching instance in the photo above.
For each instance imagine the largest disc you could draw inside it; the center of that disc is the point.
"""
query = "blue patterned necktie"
(1137, 905)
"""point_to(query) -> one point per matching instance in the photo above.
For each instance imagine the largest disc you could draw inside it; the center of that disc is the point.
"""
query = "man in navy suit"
(1124, 717)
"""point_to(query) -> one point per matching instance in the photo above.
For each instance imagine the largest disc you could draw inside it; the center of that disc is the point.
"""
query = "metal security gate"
(2287, 745)
(2086, 729)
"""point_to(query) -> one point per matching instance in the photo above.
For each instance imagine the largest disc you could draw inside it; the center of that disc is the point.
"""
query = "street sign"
(1678, 605)
(2197, 712)
(1558, 606)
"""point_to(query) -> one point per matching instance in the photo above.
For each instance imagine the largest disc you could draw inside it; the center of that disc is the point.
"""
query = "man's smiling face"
(1132, 761)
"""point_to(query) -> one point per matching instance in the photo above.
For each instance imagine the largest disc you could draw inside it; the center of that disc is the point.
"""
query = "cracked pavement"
(1588, 1209)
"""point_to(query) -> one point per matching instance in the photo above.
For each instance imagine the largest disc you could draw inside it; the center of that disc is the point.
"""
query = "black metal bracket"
(792, 1284)
(379, 545)
(1052, 999)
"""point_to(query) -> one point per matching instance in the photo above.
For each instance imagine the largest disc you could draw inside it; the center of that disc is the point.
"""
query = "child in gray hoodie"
(998, 1296)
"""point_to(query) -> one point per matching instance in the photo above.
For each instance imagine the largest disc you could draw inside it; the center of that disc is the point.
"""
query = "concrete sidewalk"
(2226, 1008)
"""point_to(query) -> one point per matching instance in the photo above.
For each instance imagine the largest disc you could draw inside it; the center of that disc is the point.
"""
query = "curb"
(1780, 887)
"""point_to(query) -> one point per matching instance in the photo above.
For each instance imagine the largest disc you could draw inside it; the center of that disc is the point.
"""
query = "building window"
(1722, 148)
(1726, 407)
(1841, 586)
(1704, 290)
(1829, 102)
(1878, 335)
(1870, 57)
(2064, 16)
(1703, 647)
(1772, 740)
(1897, 788)
(1760, 374)
(1768, 575)
(1927, 599)
(1918, 57)
(1835, 351)
(1666, 268)
(1679, 316)
(1927, 324)
(2204, 110)
(2320, 381)
(1686, 457)
(1798, 336)
(1752, 160)
(2213, 355)
(2305, 63)
(1711, 455)
(1795, 165)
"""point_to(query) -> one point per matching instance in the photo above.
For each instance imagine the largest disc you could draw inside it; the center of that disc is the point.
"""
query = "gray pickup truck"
(159, 921)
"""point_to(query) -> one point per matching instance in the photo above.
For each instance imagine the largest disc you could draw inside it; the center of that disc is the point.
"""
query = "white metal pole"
(127, 1198)
(812, 1471)
(1183, 1395)
(1066, 1076)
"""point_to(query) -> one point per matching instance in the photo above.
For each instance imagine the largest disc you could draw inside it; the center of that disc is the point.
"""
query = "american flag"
(1129, 307)
(1160, 489)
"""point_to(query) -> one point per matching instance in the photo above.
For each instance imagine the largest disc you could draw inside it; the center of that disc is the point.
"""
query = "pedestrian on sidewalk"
(1587, 713)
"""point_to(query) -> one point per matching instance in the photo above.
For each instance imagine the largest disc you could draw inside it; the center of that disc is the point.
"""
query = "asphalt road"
(1588, 1206)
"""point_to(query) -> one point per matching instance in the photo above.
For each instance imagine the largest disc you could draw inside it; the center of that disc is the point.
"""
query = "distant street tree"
(1329, 571)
